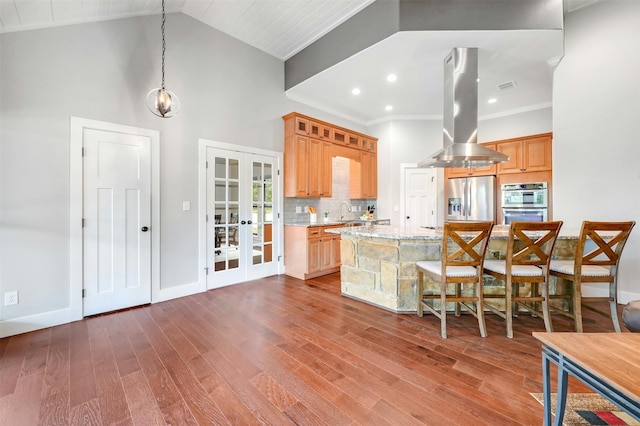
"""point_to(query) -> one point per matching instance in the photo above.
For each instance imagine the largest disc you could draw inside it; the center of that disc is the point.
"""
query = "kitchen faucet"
(349, 208)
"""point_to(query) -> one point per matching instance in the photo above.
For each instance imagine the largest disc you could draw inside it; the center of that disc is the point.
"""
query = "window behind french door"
(240, 209)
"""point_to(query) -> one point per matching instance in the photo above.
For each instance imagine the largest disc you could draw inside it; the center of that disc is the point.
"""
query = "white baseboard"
(29, 323)
(14, 326)
(625, 297)
(178, 291)
(602, 290)
(35, 322)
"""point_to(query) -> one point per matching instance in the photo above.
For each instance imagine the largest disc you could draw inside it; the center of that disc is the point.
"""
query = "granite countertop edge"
(402, 233)
(308, 224)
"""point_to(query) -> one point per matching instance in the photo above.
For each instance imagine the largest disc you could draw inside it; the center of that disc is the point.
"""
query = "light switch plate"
(186, 206)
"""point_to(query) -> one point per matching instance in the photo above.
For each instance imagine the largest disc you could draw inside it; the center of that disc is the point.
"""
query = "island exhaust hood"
(460, 127)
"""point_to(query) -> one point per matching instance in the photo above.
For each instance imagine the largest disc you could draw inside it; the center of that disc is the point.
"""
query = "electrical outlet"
(298, 209)
(11, 298)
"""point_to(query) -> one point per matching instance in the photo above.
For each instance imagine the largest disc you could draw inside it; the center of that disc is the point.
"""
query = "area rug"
(589, 409)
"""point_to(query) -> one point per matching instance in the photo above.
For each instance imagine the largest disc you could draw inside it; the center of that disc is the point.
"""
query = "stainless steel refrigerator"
(471, 199)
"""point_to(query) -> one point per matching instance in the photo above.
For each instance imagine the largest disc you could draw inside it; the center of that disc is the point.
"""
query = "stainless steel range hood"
(460, 130)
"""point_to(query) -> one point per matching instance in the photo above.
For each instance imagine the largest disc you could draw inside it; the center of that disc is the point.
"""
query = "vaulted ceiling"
(282, 28)
(278, 27)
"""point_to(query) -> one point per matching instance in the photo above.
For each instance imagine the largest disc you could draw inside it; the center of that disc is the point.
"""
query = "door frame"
(278, 229)
(77, 126)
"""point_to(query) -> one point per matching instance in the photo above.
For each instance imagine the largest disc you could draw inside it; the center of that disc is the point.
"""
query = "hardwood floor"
(275, 351)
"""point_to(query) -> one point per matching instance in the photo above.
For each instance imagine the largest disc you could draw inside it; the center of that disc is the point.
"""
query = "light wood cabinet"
(369, 175)
(320, 131)
(307, 167)
(528, 154)
(301, 174)
(472, 171)
(363, 176)
(310, 252)
(326, 175)
(340, 137)
(309, 147)
(369, 144)
(354, 141)
(301, 126)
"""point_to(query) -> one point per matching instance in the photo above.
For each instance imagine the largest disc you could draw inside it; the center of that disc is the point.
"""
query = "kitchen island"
(378, 263)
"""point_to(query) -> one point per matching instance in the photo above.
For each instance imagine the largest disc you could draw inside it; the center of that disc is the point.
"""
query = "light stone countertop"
(308, 224)
(403, 233)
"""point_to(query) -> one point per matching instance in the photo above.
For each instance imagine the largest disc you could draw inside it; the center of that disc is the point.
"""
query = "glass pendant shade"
(163, 103)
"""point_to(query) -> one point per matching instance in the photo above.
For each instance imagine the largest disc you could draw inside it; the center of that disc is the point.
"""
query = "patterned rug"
(589, 409)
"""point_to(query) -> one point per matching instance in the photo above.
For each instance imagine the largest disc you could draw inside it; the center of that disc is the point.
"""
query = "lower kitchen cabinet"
(310, 252)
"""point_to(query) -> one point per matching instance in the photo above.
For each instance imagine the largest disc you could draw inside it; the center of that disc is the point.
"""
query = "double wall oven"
(524, 202)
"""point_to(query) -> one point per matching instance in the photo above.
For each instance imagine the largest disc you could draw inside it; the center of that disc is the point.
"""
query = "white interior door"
(420, 197)
(240, 212)
(117, 219)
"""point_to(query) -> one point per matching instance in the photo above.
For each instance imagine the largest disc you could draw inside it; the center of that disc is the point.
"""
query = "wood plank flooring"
(275, 351)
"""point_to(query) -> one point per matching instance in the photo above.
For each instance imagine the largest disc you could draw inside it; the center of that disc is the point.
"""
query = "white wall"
(596, 125)
(410, 141)
(401, 141)
(230, 92)
(515, 125)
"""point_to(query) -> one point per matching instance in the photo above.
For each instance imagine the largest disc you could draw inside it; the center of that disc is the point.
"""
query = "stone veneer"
(379, 263)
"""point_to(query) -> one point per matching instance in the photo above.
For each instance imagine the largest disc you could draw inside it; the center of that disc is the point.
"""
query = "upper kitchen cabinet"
(308, 127)
(307, 167)
(527, 154)
(309, 146)
(472, 171)
(340, 137)
(354, 141)
(369, 144)
(363, 176)
(369, 175)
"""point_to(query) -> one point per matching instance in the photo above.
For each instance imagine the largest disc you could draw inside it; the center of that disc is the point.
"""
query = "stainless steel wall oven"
(526, 202)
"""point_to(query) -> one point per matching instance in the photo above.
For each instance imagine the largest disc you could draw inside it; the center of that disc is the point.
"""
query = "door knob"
(144, 228)
(243, 222)
(408, 217)
(249, 222)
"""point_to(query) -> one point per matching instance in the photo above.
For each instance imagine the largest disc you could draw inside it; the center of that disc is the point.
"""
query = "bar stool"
(527, 262)
(604, 242)
(464, 245)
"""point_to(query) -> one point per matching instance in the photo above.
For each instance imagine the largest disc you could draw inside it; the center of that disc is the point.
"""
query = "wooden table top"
(613, 357)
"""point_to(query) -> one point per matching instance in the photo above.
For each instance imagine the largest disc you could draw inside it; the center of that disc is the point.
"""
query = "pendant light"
(162, 102)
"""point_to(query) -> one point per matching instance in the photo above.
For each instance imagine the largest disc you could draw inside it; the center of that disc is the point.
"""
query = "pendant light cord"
(163, 45)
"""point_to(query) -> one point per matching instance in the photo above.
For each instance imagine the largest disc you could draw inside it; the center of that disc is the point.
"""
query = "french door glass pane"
(226, 205)
(261, 212)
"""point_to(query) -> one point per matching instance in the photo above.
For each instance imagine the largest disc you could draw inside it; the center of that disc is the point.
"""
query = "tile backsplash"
(333, 205)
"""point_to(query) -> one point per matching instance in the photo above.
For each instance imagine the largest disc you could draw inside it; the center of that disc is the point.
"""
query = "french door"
(241, 216)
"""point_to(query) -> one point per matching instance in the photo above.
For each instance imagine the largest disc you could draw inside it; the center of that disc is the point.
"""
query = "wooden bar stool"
(527, 262)
(604, 242)
(464, 245)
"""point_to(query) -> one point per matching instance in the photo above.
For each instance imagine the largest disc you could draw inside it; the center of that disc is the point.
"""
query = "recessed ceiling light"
(355, 91)
(391, 78)
(492, 101)
(388, 108)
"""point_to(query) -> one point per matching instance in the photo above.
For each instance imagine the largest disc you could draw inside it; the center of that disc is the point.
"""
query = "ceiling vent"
(508, 85)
